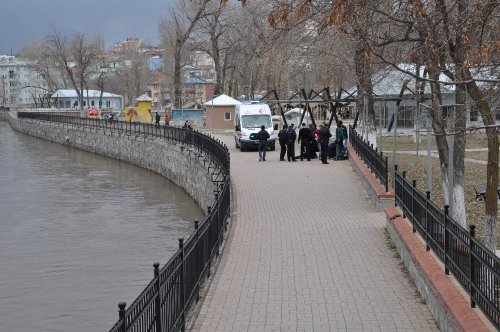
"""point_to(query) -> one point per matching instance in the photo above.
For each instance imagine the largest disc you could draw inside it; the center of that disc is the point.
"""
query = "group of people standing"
(312, 140)
(157, 119)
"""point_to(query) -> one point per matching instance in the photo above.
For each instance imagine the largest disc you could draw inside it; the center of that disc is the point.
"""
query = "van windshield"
(256, 121)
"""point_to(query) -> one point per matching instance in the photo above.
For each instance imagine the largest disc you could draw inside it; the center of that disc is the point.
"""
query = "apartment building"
(21, 86)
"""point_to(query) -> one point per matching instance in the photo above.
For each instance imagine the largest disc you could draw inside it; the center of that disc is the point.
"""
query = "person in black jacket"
(282, 141)
(340, 136)
(291, 136)
(343, 152)
(324, 138)
(262, 136)
(157, 119)
(305, 142)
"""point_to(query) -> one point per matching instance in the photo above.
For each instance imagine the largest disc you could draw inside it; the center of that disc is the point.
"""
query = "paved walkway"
(306, 252)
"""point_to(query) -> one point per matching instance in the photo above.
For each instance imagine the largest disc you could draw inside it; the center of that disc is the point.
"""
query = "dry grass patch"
(406, 143)
(477, 155)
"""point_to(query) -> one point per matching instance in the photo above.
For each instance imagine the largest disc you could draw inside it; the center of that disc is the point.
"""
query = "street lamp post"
(451, 155)
(428, 126)
(212, 111)
(394, 146)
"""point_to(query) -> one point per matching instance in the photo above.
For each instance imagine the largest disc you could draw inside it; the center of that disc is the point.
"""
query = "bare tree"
(207, 39)
(133, 73)
(75, 57)
(347, 18)
(175, 33)
(458, 40)
(41, 62)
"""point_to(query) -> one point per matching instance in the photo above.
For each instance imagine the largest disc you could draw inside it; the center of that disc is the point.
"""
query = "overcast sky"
(24, 21)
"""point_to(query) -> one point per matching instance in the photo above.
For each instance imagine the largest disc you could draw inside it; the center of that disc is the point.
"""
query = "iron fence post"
(183, 301)
(121, 316)
(445, 242)
(198, 265)
(217, 253)
(414, 184)
(394, 185)
(472, 234)
(427, 199)
(158, 296)
(386, 175)
(209, 212)
(404, 195)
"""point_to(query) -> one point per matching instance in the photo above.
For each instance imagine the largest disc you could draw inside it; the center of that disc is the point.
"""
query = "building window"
(108, 103)
(92, 102)
(68, 103)
(227, 116)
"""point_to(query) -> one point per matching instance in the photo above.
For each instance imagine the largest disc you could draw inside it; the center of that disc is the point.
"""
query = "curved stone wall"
(180, 163)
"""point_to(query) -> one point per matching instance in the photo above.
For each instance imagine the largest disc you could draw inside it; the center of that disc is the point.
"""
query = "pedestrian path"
(306, 252)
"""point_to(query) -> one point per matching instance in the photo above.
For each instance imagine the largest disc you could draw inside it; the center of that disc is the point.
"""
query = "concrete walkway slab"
(307, 252)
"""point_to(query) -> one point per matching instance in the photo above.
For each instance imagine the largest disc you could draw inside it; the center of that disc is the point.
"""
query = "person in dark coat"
(291, 136)
(340, 135)
(344, 142)
(314, 143)
(262, 136)
(305, 142)
(282, 141)
(324, 137)
(157, 119)
(187, 125)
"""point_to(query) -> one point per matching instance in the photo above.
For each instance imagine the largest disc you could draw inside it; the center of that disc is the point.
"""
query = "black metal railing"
(374, 159)
(473, 265)
(208, 144)
(164, 303)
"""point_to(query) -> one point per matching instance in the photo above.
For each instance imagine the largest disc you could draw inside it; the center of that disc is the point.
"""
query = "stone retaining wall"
(180, 163)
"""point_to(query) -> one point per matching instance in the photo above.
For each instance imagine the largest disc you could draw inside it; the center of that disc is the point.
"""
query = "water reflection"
(79, 233)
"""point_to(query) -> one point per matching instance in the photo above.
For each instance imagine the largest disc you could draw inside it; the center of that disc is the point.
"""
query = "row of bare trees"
(249, 54)
(78, 62)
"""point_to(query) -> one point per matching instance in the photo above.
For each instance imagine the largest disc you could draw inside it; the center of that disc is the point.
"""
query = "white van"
(249, 117)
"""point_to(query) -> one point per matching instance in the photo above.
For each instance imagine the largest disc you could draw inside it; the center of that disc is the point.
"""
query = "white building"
(387, 84)
(69, 99)
(20, 86)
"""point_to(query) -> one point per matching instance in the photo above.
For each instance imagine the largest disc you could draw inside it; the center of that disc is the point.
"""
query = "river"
(79, 233)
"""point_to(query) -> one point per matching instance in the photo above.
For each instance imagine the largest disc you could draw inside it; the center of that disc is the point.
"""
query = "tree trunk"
(177, 77)
(365, 93)
(458, 53)
(491, 227)
(438, 127)
(457, 210)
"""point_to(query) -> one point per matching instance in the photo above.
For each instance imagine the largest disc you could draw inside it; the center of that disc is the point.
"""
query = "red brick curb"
(369, 177)
(448, 293)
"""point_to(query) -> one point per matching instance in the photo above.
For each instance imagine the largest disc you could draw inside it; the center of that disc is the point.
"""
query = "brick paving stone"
(306, 252)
